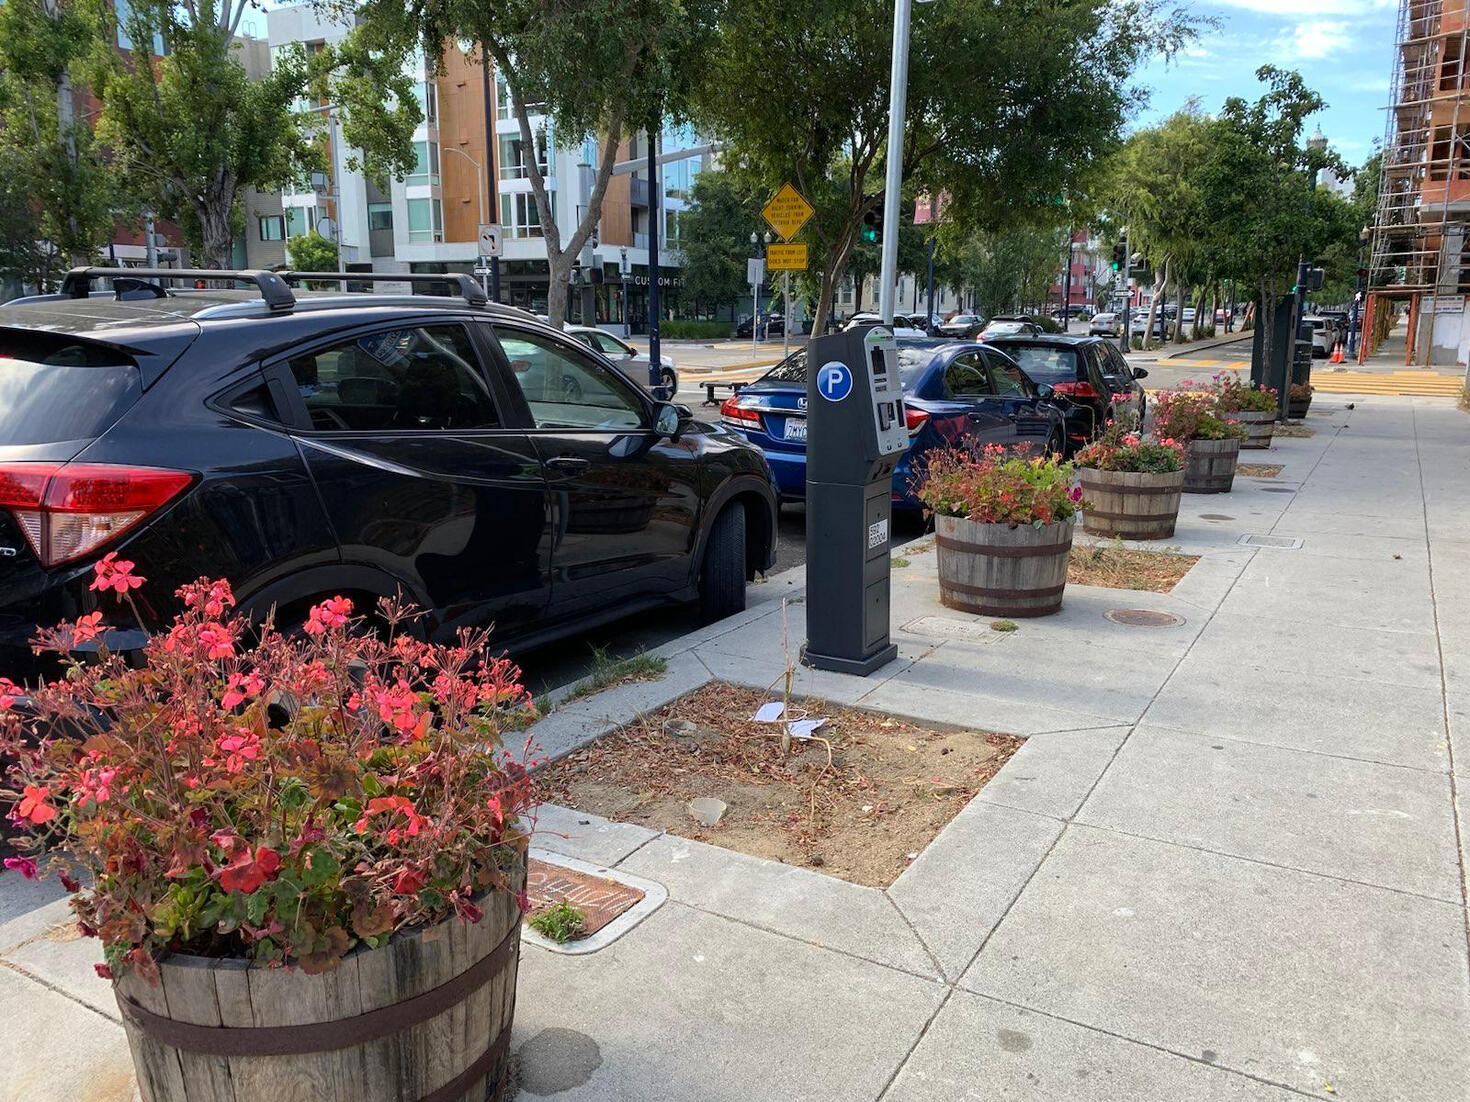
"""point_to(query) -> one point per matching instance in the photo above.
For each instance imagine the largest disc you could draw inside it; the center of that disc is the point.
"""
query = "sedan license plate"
(795, 429)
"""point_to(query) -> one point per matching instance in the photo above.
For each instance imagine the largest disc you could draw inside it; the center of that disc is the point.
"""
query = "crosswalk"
(1331, 380)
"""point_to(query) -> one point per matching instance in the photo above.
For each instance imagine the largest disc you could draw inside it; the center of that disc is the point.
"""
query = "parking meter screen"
(880, 363)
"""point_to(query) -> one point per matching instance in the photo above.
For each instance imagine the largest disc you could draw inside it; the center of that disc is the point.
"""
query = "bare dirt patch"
(1299, 431)
(887, 789)
(1114, 566)
(1259, 470)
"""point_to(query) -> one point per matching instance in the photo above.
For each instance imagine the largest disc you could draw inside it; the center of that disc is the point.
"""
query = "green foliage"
(1003, 625)
(991, 485)
(312, 253)
(694, 330)
(560, 922)
(716, 231)
(1007, 268)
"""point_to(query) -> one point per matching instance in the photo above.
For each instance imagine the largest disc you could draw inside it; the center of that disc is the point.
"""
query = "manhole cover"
(975, 631)
(1143, 618)
(1214, 516)
(1277, 490)
(612, 902)
(1289, 543)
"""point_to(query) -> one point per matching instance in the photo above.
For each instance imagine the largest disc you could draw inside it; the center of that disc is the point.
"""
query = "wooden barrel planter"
(1210, 465)
(1259, 424)
(425, 1018)
(997, 570)
(1130, 505)
(1296, 408)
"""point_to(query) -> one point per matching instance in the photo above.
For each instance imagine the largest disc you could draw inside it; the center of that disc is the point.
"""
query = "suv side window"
(966, 377)
(566, 390)
(416, 379)
(1113, 363)
(1008, 379)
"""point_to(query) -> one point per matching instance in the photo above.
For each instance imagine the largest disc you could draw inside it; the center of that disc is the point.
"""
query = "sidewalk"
(1227, 863)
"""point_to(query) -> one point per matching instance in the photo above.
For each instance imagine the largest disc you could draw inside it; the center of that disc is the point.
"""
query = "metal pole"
(491, 155)
(897, 107)
(1125, 339)
(929, 317)
(786, 317)
(654, 363)
(1067, 286)
(150, 250)
(480, 186)
(755, 315)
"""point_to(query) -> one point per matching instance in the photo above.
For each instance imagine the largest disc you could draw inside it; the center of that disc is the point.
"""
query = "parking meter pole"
(490, 160)
(755, 317)
(856, 432)
(786, 314)
(655, 376)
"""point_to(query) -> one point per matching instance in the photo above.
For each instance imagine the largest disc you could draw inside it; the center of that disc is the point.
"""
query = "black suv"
(308, 444)
(1089, 372)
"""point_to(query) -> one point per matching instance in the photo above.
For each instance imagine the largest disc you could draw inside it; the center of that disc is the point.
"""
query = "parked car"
(903, 326)
(1077, 370)
(1322, 335)
(773, 324)
(633, 362)
(952, 390)
(1138, 324)
(962, 325)
(1105, 325)
(302, 445)
(1009, 325)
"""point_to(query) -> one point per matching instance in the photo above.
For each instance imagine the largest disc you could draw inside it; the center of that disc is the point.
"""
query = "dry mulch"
(1114, 566)
(1259, 470)
(862, 813)
(1300, 431)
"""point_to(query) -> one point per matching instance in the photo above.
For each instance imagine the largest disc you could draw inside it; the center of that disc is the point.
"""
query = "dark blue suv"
(307, 444)
(952, 390)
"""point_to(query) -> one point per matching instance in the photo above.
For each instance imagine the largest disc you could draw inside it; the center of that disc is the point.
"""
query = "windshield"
(54, 389)
(1045, 364)
(1001, 328)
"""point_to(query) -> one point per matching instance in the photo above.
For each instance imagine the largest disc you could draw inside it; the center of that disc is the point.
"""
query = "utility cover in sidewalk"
(611, 902)
(1214, 516)
(972, 631)
(1143, 618)
(1287, 543)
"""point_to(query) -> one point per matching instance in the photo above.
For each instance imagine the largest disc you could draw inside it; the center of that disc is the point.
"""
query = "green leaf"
(257, 905)
(321, 868)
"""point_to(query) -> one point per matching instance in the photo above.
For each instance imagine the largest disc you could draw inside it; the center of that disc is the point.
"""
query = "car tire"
(669, 381)
(722, 574)
(1055, 445)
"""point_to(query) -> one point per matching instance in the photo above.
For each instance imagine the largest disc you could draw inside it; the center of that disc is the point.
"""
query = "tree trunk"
(1153, 308)
(1199, 308)
(1181, 296)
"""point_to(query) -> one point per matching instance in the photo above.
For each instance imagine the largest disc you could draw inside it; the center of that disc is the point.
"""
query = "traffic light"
(872, 231)
(1120, 256)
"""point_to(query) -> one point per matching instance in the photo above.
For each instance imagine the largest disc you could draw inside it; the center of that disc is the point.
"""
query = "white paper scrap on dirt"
(803, 728)
(769, 713)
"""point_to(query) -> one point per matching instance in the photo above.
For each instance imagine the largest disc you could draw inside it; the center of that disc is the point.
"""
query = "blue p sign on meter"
(834, 381)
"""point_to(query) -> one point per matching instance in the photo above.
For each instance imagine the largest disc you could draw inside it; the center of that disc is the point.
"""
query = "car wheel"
(722, 575)
(669, 381)
(1055, 444)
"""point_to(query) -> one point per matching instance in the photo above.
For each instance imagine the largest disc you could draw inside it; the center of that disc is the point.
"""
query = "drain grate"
(1143, 618)
(1288, 543)
(974, 631)
(1214, 516)
(1277, 490)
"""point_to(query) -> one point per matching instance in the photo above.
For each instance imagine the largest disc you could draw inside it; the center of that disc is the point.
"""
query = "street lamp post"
(897, 107)
(755, 296)
(1355, 324)
(480, 190)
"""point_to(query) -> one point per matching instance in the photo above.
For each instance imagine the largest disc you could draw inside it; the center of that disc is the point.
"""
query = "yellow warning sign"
(787, 212)
(786, 258)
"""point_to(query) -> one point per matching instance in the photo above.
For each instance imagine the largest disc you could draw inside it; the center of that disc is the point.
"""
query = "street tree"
(1001, 141)
(59, 193)
(191, 129)
(1009, 268)
(599, 70)
(715, 235)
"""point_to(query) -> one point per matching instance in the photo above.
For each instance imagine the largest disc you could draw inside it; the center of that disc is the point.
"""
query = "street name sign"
(787, 212)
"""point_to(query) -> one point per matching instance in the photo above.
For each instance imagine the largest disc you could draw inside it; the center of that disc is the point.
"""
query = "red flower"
(239, 748)
(217, 641)
(115, 574)
(331, 613)
(103, 971)
(8, 692)
(33, 806)
(248, 872)
(86, 628)
(408, 881)
(23, 865)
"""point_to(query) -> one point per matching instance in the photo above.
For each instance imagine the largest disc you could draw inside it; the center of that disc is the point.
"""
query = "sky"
(1342, 48)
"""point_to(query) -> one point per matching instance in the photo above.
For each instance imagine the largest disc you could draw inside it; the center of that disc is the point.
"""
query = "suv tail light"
(1075, 390)
(68, 510)
(915, 419)
(733, 413)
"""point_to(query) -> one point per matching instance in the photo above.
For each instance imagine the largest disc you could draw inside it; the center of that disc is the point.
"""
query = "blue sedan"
(952, 390)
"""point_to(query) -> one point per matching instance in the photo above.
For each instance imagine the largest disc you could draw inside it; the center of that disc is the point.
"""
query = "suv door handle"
(569, 464)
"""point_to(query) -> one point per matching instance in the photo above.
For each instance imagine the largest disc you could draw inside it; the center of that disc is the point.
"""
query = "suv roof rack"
(273, 289)
(468, 289)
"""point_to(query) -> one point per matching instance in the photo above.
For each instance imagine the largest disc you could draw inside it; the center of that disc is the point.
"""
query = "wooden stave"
(1218, 459)
(1154, 499)
(1023, 557)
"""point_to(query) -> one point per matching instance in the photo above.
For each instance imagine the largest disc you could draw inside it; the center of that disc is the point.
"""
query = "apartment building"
(468, 173)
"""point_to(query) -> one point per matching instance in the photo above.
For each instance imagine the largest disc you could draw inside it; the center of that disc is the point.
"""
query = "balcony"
(637, 192)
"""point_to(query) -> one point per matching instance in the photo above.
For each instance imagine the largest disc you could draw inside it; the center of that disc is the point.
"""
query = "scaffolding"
(1420, 228)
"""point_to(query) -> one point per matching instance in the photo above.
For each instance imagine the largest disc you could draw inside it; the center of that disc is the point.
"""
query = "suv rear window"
(1045, 364)
(55, 388)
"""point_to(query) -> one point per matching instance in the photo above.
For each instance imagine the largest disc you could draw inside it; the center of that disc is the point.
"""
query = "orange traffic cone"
(1337, 356)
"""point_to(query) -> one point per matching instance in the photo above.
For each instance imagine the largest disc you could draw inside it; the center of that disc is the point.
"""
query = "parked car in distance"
(1076, 368)
(1138, 324)
(773, 324)
(962, 325)
(1009, 325)
(903, 326)
(952, 390)
(633, 362)
(1322, 335)
(1105, 325)
(488, 467)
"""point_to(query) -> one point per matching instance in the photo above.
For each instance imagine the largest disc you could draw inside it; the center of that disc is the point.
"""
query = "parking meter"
(856, 432)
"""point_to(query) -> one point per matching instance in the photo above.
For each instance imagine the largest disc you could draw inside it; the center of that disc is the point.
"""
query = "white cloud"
(1313, 40)
(1289, 9)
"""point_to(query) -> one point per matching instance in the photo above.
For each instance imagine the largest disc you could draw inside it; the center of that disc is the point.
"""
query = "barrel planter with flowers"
(1251, 406)
(323, 832)
(1003, 529)
(1132, 485)
(1298, 400)
(1211, 439)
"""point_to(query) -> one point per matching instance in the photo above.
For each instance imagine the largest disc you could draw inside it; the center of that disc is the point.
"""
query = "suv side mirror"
(1045, 391)
(672, 420)
(1140, 373)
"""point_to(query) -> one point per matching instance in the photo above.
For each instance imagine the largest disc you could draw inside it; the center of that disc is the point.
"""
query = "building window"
(514, 161)
(671, 228)
(425, 220)
(426, 166)
(124, 12)
(380, 216)
(504, 108)
(300, 221)
(273, 227)
(427, 94)
(519, 214)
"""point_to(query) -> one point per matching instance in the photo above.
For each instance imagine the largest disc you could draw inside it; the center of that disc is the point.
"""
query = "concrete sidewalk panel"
(1311, 520)
(586, 836)
(1316, 650)
(1016, 715)
(623, 703)
(1303, 980)
(798, 903)
(693, 1006)
(1377, 824)
(1350, 716)
(1390, 594)
(1052, 773)
(58, 955)
(54, 1050)
(980, 1048)
(963, 881)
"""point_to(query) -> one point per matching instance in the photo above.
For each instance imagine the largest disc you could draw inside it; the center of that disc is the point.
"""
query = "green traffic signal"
(870, 235)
